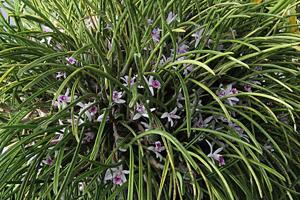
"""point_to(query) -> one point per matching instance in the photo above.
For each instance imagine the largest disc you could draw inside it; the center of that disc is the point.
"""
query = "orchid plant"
(149, 99)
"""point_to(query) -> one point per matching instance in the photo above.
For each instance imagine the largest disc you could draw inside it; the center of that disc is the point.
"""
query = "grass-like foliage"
(149, 99)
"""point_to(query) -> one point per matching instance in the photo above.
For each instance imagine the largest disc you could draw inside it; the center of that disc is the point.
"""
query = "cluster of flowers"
(141, 112)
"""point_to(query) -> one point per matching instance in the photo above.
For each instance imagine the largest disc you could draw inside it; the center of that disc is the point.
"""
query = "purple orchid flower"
(228, 91)
(62, 100)
(182, 48)
(215, 155)
(188, 69)
(171, 17)
(199, 122)
(90, 111)
(157, 149)
(71, 60)
(93, 110)
(155, 33)
(248, 88)
(127, 81)
(116, 97)
(116, 175)
(141, 111)
(48, 161)
(153, 84)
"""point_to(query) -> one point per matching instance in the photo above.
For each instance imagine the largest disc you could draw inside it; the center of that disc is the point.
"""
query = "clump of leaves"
(149, 99)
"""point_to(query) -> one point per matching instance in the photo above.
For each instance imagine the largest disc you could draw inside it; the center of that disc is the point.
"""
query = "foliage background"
(243, 43)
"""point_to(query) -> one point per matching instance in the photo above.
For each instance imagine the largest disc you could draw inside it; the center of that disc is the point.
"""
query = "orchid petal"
(164, 115)
(137, 116)
(218, 150)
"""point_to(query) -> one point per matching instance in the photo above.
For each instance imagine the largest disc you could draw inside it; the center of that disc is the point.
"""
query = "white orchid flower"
(128, 82)
(199, 122)
(62, 100)
(89, 111)
(157, 149)
(141, 111)
(215, 154)
(48, 161)
(228, 91)
(116, 97)
(171, 17)
(116, 175)
(60, 75)
(171, 115)
(152, 84)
